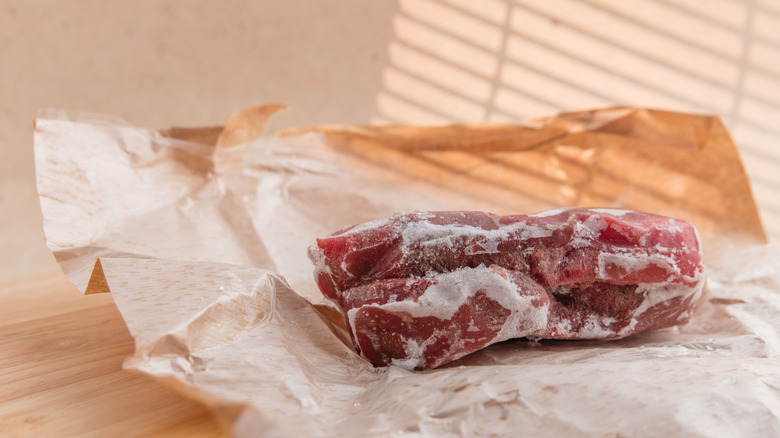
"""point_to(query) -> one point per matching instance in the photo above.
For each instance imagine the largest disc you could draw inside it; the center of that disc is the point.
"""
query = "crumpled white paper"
(203, 250)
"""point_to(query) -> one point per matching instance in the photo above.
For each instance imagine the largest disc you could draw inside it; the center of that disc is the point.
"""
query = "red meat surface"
(422, 289)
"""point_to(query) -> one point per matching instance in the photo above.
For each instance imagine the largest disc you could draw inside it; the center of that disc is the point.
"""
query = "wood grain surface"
(61, 371)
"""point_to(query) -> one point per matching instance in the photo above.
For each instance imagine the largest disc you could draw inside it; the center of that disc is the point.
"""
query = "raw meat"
(422, 289)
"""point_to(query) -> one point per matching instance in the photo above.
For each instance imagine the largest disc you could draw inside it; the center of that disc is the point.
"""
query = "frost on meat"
(422, 289)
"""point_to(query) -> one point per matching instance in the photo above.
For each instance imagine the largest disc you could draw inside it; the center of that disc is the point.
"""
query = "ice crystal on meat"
(422, 289)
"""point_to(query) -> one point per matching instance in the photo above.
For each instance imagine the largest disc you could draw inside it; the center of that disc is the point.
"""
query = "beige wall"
(162, 63)
(173, 62)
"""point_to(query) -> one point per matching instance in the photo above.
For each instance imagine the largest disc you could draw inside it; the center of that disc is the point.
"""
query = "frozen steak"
(422, 289)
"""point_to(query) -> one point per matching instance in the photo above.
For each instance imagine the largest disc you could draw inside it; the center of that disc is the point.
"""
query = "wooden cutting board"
(61, 371)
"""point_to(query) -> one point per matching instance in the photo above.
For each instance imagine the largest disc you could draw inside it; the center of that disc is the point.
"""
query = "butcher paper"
(200, 235)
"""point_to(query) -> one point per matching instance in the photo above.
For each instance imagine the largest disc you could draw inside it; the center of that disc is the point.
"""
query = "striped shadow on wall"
(511, 60)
